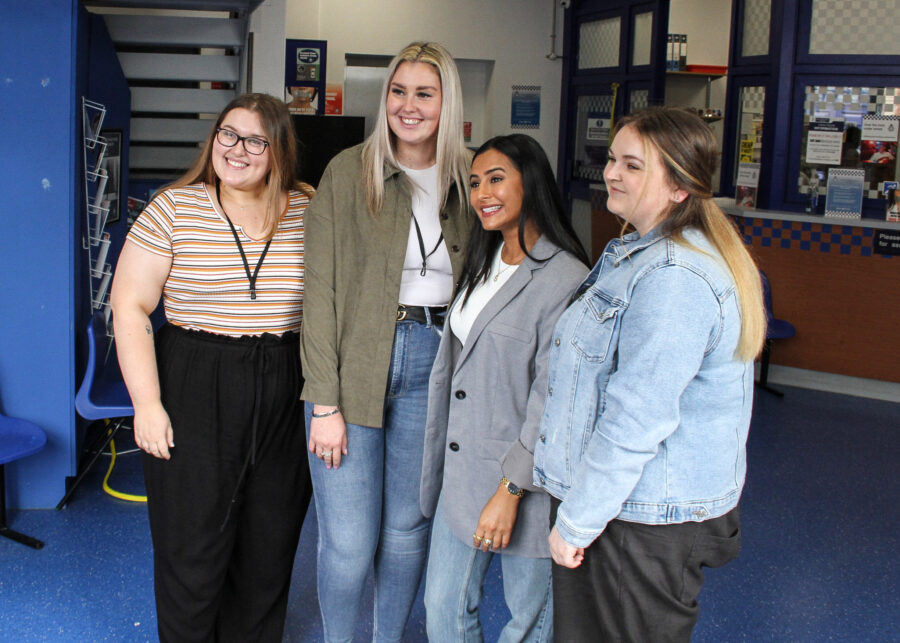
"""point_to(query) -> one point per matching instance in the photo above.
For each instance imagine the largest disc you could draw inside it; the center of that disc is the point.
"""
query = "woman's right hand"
(328, 437)
(153, 430)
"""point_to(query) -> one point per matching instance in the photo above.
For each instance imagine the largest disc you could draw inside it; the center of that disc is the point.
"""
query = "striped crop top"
(207, 288)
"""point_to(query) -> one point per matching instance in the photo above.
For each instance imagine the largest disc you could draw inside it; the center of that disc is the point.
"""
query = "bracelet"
(327, 413)
(511, 487)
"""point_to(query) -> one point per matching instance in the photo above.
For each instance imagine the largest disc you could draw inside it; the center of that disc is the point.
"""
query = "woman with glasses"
(215, 390)
(387, 233)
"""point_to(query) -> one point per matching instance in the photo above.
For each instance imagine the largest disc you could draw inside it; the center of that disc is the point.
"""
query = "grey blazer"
(485, 401)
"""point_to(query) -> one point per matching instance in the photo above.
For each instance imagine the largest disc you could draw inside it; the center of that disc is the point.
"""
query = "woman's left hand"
(563, 553)
(495, 525)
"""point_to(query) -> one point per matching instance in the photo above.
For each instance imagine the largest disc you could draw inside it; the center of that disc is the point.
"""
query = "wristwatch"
(512, 488)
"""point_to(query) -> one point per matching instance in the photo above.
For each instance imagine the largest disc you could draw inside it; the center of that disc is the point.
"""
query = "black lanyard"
(237, 240)
(422, 245)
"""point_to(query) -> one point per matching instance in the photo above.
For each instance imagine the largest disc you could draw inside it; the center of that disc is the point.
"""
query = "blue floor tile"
(819, 562)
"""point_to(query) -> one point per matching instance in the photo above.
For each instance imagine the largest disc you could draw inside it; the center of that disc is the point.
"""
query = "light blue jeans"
(368, 508)
(454, 585)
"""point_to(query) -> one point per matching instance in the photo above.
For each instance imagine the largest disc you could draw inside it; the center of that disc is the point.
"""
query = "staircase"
(184, 61)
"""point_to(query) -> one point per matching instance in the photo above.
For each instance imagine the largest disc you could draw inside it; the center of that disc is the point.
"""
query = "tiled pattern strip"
(814, 237)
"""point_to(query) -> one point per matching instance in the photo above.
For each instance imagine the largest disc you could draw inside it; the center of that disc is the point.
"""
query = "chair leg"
(5, 531)
(764, 370)
(111, 433)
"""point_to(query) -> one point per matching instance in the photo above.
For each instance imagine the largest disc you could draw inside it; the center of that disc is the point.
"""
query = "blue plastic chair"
(18, 439)
(775, 329)
(102, 395)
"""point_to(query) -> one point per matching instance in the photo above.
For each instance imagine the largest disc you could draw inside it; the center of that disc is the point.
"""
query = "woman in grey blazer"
(486, 395)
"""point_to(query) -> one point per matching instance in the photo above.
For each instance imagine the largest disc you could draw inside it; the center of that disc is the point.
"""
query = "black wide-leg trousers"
(640, 582)
(226, 510)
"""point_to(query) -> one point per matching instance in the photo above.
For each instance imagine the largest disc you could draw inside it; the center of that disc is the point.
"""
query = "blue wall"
(45, 59)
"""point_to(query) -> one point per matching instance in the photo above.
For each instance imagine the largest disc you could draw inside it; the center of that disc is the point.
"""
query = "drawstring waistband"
(258, 345)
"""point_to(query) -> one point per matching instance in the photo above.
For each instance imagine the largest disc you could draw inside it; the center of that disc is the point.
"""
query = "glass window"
(853, 27)
(755, 38)
(638, 100)
(750, 126)
(643, 33)
(592, 137)
(598, 43)
(837, 117)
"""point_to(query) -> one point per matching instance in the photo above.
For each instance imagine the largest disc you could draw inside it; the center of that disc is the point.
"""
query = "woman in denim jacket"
(642, 441)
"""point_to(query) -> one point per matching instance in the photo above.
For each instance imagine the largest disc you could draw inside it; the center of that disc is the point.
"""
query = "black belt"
(418, 314)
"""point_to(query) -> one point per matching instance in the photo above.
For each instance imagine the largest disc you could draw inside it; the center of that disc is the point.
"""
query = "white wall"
(515, 34)
(267, 65)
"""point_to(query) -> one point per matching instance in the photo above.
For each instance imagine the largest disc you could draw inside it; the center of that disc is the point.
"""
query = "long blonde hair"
(689, 154)
(276, 123)
(451, 154)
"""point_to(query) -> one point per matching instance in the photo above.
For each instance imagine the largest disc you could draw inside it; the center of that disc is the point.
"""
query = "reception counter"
(828, 278)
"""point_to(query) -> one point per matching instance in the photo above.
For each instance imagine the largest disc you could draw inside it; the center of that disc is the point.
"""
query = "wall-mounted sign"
(525, 111)
(304, 76)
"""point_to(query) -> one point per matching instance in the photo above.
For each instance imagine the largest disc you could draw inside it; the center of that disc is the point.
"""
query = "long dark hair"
(541, 203)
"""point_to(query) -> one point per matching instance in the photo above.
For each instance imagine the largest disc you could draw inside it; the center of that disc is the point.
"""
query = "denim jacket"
(648, 409)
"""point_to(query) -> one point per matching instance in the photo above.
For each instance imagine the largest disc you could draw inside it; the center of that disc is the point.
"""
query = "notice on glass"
(746, 185)
(880, 127)
(824, 143)
(844, 197)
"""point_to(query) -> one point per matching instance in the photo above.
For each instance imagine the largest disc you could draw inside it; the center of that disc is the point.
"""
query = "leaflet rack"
(95, 240)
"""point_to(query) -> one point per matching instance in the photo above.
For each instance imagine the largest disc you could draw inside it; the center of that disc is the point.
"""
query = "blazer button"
(454, 446)
(454, 249)
(556, 342)
(460, 395)
(444, 216)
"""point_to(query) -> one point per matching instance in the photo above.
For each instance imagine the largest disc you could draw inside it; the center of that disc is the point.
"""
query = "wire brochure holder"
(95, 240)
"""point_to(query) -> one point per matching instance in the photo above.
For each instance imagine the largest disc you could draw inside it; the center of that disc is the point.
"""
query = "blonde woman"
(643, 437)
(386, 242)
(215, 390)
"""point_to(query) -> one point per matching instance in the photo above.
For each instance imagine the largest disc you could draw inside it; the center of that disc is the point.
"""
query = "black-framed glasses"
(252, 144)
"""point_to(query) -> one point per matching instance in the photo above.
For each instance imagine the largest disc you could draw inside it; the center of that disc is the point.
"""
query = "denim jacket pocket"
(594, 332)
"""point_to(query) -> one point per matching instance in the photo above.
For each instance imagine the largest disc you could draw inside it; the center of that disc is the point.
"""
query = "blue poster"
(844, 197)
(526, 107)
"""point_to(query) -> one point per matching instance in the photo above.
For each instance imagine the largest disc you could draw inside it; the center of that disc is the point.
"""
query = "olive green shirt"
(353, 266)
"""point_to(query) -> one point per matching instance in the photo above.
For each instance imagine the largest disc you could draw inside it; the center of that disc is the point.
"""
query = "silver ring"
(326, 454)
(487, 541)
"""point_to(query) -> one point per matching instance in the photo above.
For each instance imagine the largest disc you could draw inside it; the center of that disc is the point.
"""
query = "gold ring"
(477, 538)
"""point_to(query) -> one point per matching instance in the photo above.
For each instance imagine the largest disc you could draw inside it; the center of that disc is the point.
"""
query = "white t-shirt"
(462, 319)
(436, 286)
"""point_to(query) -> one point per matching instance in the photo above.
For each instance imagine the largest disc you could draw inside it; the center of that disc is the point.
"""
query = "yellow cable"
(111, 491)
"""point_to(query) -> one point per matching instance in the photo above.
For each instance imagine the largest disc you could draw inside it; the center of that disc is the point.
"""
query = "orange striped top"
(207, 288)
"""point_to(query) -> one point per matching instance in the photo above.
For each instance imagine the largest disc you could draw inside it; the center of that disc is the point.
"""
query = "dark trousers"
(640, 582)
(225, 511)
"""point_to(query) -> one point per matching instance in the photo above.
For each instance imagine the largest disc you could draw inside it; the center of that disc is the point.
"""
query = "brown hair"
(279, 131)
(689, 154)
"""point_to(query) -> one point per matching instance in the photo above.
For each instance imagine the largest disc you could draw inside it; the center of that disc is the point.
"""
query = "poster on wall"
(844, 196)
(824, 143)
(746, 185)
(525, 112)
(304, 76)
(892, 195)
(334, 99)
